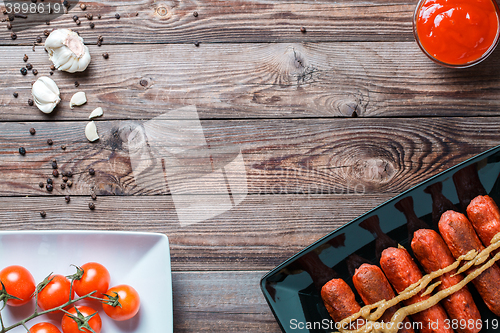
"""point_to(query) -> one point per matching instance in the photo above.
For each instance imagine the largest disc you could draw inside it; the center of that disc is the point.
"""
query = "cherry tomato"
(56, 293)
(69, 324)
(129, 300)
(95, 278)
(18, 282)
(44, 328)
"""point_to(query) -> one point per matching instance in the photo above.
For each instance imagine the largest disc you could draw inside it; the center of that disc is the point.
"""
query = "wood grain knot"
(349, 107)
(376, 170)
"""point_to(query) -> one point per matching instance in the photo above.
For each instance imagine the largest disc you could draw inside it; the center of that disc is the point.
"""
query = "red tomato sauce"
(457, 32)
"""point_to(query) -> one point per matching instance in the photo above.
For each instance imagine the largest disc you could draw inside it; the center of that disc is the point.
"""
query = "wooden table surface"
(330, 122)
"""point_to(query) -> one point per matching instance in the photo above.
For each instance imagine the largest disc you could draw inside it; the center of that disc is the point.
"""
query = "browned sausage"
(372, 286)
(401, 271)
(484, 215)
(339, 299)
(433, 254)
(460, 237)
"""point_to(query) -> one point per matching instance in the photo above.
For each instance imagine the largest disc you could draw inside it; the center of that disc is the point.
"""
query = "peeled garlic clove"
(96, 113)
(78, 99)
(91, 132)
(67, 51)
(46, 94)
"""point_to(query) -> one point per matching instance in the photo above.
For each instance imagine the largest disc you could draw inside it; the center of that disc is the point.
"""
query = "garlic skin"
(67, 51)
(45, 94)
(78, 99)
(91, 132)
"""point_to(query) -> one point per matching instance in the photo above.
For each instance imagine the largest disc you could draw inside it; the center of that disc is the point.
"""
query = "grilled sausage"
(433, 254)
(484, 215)
(339, 300)
(372, 286)
(401, 271)
(460, 237)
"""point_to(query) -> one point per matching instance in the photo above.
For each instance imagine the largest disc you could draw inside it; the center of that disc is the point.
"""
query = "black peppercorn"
(63, 147)
(35, 72)
(63, 186)
(83, 6)
(24, 71)
(30, 102)
(303, 30)
(195, 14)
(39, 39)
(51, 73)
(78, 22)
(93, 196)
(49, 181)
(50, 142)
(25, 58)
(117, 16)
(32, 131)
(99, 43)
(43, 214)
(196, 44)
(99, 16)
(15, 94)
(46, 33)
(91, 171)
(92, 25)
(89, 16)
(49, 187)
(105, 55)
(29, 66)
(69, 183)
(55, 173)
(91, 205)
(41, 184)
(75, 18)
(67, 198)
(13, 36)
(54, 164)
(9, 25)
(22, 151)
(52, 67)
(143, 83)
(65, 178)
(77, 84)
(66, 3)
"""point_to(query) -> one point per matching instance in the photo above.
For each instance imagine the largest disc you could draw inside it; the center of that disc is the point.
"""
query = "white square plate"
(141, 260)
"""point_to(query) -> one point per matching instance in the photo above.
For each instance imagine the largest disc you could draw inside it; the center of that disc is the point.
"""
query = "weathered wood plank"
(259, 233)
(221, 302)
(270, 156)
(258, 81)
(150, 21)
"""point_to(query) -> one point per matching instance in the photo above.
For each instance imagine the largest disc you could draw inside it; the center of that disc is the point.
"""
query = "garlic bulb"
(78, 99)
(45, 94)
(67, 51)
(91, 132)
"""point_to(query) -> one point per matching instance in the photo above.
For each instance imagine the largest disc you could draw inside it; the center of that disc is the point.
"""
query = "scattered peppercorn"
(195, 14)
(65, 178)
(105, 55)
(13, 35)
(54, 164)
(34, 1)
(41, 184)
(78, 22)
(93, 196)
(83, 6)
(24, 71)
(29, 66)
(11, 17)
(91, 205)
(69, 174)
(67, 198)
(43, 214)
(77, 84)
(46, 33)
(38, 39)
(99, 43)
(91, 171)
(35, 72)
(63, 147)
(99, 16)
(303, 29)
(66, 3)
(49, 181)
(25, 58)
(63, 186)
(50, 142)
(89, 16)
(22, 151)
(32, 131)
(196, 44)
(9, 25)
(69, 183)
(55, 173)
(92, 25)
(52, 67)
(47, 22)
(30, 102)
(15, 94)
(75, 18)
(49, 187)
(51, 73)
(117, 16)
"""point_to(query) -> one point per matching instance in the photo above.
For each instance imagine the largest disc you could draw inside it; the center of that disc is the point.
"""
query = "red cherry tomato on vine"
(44, 328)
(95, 277)
(56, 293)
(128, 298)
(69, 324)
(18, 282)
